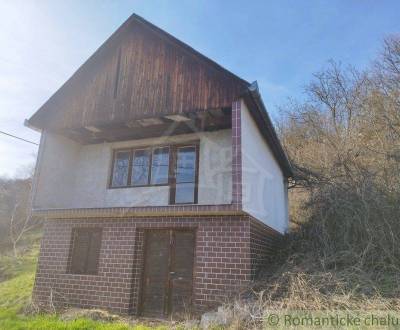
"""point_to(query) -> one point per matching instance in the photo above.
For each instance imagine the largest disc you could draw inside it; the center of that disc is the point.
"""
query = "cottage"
(160, 177)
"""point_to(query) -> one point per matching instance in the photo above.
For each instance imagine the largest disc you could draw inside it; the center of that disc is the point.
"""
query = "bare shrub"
(343, 251)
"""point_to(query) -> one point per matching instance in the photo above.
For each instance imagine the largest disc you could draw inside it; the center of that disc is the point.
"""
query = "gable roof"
(140, 71)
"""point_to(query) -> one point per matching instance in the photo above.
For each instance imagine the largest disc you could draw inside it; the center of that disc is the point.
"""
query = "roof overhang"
(139, 70)
(257, 109)
(149, 127)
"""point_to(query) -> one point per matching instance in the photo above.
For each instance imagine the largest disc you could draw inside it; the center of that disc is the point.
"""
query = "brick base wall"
(228, 251)
(263, 244)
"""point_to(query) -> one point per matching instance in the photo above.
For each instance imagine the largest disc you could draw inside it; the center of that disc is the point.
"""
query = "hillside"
(342, 254)
(16, 283)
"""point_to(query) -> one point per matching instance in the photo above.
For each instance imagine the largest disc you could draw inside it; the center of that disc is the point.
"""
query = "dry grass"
(343, 252)
(343, 257)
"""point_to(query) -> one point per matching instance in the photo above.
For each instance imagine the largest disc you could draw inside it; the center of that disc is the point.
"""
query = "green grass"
(12, 321)
(16, 289)
(16, 283)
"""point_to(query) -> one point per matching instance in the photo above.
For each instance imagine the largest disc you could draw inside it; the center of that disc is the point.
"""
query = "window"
(185, 175)
(85, 250)
(160, 166)
(121, 169)
(140, 167)
(173, 165)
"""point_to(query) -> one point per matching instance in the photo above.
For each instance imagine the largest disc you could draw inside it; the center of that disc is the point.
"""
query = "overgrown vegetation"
(16, 223)
(344, 142)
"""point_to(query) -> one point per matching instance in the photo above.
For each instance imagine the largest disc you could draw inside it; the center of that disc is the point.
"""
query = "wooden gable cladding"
(139, 72)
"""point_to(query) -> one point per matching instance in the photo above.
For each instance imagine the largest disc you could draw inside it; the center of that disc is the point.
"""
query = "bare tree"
(20, 218)
(15, 218)
(344, 143)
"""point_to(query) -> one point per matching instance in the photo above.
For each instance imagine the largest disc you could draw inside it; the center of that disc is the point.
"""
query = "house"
(160, 178)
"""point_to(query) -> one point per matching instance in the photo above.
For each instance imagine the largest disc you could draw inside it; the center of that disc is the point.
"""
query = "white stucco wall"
(54, 179)
(263, 186)
(76, 176)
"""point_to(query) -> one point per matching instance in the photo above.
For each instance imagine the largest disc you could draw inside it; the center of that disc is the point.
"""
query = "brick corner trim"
(236, 154)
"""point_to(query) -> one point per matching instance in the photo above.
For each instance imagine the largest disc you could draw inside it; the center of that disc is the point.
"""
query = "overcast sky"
(278, 43)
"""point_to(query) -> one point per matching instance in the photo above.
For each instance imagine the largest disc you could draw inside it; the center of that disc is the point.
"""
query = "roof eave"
(259, 112)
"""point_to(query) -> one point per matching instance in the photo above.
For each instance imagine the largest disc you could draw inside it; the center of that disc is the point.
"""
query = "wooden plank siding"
(139, 72)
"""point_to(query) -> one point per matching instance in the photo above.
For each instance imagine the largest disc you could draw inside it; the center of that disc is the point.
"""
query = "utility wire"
(19, 138)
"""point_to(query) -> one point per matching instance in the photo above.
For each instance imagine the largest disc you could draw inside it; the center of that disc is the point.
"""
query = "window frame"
(115, 152)
(133, 151)
(151, 165)
(173, 149)
(130, 167)
(172, 194)
(74, 232)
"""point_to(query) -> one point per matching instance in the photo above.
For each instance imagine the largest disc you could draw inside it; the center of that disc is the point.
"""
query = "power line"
(19, 138)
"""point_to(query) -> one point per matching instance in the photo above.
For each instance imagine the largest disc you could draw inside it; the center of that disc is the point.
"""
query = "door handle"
(171, 273)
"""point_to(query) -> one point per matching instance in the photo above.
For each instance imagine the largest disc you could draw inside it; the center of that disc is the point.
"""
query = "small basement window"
(85, 250)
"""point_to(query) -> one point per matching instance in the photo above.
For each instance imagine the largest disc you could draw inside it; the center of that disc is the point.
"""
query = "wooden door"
(168, 272)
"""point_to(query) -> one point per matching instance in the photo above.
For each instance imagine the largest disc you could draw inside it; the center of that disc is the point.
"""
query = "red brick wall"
(263, 243)
(227, 250)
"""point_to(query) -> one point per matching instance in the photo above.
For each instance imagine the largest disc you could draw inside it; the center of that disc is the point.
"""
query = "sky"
(278, 43)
